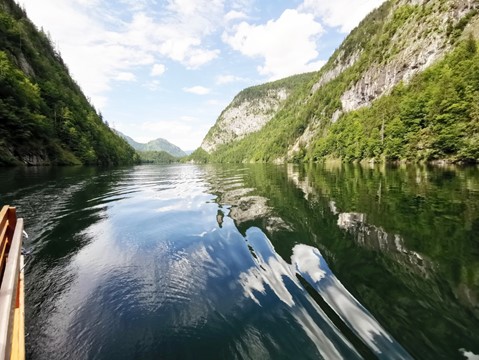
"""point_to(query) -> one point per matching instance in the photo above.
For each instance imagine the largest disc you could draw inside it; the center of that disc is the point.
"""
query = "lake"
(249, 261)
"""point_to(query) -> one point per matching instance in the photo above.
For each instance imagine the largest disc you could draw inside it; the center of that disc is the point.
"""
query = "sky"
(167, 68)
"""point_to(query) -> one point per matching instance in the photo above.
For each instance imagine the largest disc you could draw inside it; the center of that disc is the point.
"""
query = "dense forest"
(432, 116)
(44, 116)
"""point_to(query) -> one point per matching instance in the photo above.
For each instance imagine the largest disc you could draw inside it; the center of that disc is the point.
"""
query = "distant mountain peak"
(159, 144)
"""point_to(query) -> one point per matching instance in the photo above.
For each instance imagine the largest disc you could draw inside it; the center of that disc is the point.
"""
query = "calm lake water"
(249, 262)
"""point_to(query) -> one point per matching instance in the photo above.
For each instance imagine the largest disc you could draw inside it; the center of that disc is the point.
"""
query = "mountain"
(250, 110)
(164, 145)
(154, 145)
(404, 85)
(45, 117)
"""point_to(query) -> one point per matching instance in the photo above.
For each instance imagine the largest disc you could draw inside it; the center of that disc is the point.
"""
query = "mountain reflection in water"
(272, 274)
(249, 262)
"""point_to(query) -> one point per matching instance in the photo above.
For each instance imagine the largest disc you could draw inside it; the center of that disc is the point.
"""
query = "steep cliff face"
(390, 47)
(421, 39)
(244, 116)
(250, 111)
(414, 34)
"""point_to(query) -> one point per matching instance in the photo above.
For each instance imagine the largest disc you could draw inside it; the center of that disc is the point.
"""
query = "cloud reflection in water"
(274, 274)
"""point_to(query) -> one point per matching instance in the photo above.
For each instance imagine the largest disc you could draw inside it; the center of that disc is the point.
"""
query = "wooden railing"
(12, 328)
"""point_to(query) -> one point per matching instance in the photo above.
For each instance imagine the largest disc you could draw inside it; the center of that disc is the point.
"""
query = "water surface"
(249, 262)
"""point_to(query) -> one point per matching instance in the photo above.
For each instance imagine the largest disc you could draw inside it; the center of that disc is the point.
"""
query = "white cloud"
(195, 7)
(99, 46)
(234, 15)
(125, 76)
(344, 14)
(287, 45)
(179, 41)
(198, 57)
(242, 5)
(158, 69)
(227, 79)
(95, 56)
(198, 90)
(135, 5)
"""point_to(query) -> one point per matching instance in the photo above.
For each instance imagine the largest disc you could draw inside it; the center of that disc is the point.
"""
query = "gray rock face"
(243, 117)
(35, 159)
(411, 50)
(25, 66)
(417, 47)
(341, 63)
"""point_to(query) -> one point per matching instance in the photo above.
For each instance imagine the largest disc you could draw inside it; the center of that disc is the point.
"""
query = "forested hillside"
(435, 116)
(44, 116)
(251, 109)
(404, 85)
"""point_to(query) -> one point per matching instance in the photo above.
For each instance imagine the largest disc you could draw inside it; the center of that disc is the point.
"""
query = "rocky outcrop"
(417, 44)
(32, 157)
(380, 79)
(412, 50)
(340, 63)
(36, 159)
(244, 116)
(25, 65)
(304, 139)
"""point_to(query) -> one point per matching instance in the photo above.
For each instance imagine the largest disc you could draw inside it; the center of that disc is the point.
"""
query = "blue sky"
(168, 68)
